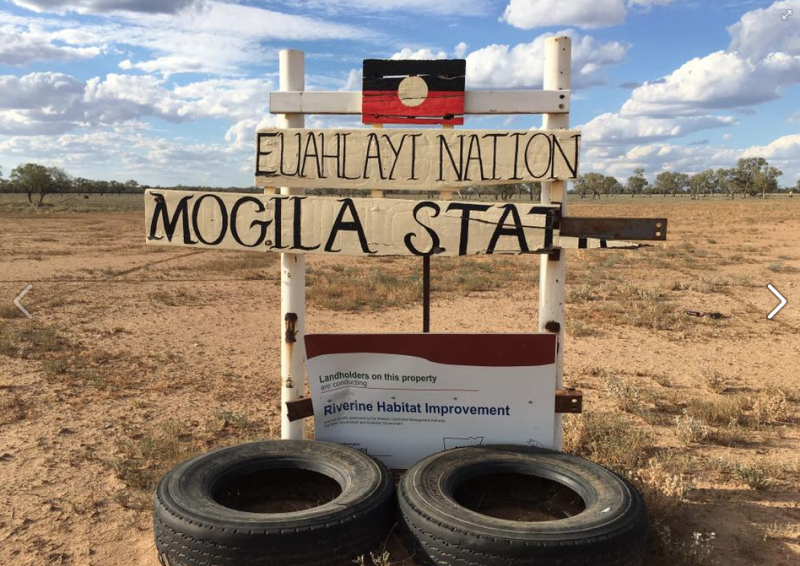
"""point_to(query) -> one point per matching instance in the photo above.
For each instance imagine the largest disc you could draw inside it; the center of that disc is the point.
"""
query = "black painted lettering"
(261, 153)
(311, 139)
(466, 210)
(413, 155)
(502, 230)
(549, 140)
(395, 152)
(277, 221)
(353, 225)
(457, 168)
(337, 156)
(344, 159)
(373, 142)
(474, 154)
(494, 153)
(262, 224)
(223, 215)
(516, 137)
(573, 167)
(431, 232)
(297, 227)
(283, 155)
(181, 214)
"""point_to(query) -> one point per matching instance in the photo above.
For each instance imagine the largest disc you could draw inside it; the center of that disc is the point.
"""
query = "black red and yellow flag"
(413, 91)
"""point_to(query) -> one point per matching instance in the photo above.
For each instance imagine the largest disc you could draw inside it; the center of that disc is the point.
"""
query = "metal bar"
(475, 102)
(299, 409)
(552, 272)
(569, 401)
(614, 228)
(426, 293)
(293, 271)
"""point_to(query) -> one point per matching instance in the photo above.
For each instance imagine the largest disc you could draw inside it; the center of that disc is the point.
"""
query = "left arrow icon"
(781, 298)
(19, 298)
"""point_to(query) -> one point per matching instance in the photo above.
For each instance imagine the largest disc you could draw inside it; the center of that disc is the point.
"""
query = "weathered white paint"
(413, 158)
(552, 271)
(412, 91)
(297, 225)
(293, 269)
(475, 102)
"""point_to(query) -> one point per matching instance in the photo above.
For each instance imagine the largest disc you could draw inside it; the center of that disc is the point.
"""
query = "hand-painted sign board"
(401, 397)
(413, 159)
(413, 91)
(360, 226)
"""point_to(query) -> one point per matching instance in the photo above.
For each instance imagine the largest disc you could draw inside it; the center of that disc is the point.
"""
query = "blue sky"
(171, 91)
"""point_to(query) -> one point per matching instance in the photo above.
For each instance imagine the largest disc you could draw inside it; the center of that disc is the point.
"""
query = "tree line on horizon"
(751, 176)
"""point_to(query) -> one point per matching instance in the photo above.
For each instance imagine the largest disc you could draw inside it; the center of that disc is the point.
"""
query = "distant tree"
(34, 179)
(589, 183)
(637, 183)
(611, 186)
(672, 183)
(702, 183)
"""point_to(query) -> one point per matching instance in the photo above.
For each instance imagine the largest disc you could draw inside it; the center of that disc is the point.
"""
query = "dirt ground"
(137, 357)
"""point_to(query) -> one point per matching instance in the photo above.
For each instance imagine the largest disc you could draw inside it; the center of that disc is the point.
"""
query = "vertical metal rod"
(426, 293)
(552, 272)
(293, 271)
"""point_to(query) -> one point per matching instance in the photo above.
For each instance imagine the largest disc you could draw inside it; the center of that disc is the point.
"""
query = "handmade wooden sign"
(413, 91)
(359, 227)
(413, 159)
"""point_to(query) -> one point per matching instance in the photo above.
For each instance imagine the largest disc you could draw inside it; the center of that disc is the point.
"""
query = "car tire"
(273, 503)
(610, 530)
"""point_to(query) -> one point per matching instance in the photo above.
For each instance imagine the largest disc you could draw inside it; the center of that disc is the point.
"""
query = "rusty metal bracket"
(614, 228)
(291, 327)
(552, 326)
(569, 400)
(554, 254)
(299, 409)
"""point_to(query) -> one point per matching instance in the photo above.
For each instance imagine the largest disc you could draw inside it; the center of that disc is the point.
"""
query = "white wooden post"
(552, 270)
(293, 270)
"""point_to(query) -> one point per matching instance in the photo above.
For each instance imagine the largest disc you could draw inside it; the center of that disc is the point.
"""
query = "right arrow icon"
(781, 298)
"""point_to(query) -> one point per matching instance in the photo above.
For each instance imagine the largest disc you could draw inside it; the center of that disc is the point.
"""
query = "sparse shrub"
(55, 367)
(771, 407)
(579, 329)
(714, 380)
(690, 429)
(375, 559)
(665, 484)
(719, 411)
(626, 396)
(30, 340)
(754, 477)
(697, 551)
(606, 438)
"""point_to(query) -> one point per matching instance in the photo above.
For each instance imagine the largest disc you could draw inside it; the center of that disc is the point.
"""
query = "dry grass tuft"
(771, 406)
(627, 396)
(690, 429)
(714, 380)
(606, 438)
(31, 340)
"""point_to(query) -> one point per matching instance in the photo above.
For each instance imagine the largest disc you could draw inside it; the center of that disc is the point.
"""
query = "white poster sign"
(401, 397)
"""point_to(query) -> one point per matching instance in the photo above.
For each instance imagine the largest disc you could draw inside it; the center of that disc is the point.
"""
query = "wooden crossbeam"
(475, 102)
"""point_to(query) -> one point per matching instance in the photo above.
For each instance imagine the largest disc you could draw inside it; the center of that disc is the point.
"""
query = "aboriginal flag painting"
(413, 92)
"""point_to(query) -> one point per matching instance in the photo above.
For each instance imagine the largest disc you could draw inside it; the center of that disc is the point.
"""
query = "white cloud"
(460, 50)
(20, 46)
(438, 7)
(761, 32)
(42, 103)
(786, 148)
(102, 6)
(503, 66)
(529, 14)
(424, 53)
(354, 80)
(721, 80)
(611, 128)
(526, 14)
(221, 38)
